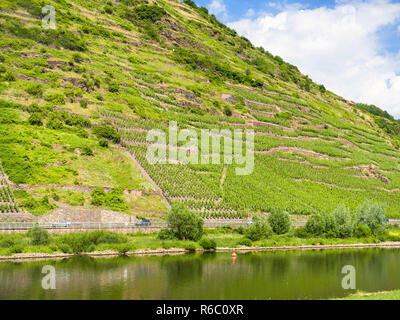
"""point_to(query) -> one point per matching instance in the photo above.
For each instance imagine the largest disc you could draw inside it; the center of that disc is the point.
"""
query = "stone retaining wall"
(76, 230)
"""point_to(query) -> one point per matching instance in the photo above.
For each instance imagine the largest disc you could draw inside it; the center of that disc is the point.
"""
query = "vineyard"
(124, 68)
(7, 199)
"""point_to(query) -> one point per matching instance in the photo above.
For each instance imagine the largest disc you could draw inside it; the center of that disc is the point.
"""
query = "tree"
(372, 215)
(260, 229)
(345, 221)
(279, 221)
(185, 224)
(39, 236)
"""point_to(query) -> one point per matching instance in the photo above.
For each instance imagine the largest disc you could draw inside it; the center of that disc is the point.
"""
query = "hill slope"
(118, 69)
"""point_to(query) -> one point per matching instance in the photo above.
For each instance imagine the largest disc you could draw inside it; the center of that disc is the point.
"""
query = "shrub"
(260, 229)
(55, 98)
(147, 13)
(86, 151)
(83, 103)
(35, 90)
(113, 200)
(124, 248)
(362, 231)
(103, 143)
(35, 119)
(227, 111)
(107, 132)
(372, 215)
(166, 234)
(113, 87)
(245, 242)
(189, 246)
(98, 197)
(9, 77)
(345, 221)
(208, 244)
(39, 236)
(301, 232)
(321, 225)
(2, 58)
(185, 224)
(279, 221)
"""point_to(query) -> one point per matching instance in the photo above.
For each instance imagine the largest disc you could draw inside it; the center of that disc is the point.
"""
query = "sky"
(350, 46)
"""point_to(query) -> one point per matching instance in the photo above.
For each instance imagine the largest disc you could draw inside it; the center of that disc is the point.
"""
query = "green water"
(266, 275)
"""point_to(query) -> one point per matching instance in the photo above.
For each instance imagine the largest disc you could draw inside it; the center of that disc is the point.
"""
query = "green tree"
(260, 229)
(372, 215)
(345, 221)
(185, 224)
(279, 221)
(39, 236)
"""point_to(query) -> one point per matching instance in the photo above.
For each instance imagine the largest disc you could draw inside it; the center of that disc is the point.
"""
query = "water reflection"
(267, 275)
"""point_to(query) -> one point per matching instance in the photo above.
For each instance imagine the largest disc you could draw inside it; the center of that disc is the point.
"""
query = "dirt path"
(146, 175)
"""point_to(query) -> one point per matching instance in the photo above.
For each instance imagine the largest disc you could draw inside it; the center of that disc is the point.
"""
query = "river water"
(264, 275)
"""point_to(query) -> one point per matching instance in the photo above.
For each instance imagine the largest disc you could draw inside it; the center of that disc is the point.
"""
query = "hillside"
(77, 103)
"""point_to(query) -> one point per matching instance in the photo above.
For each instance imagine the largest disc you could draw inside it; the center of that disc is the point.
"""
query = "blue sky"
(351, 46)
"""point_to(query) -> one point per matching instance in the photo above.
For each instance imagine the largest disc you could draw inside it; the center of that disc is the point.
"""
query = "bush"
(362, 231)
(98, 197)
(35, 90)
(372, 215)
(345, 221)
(208, 244)
(107, 132)
(35, 119)
(86, 151)
(245, 242)
(56, 98)
(185, 224)
(83, 103)
(9, 77)
(124, 248)
(87, 241)
(260, 229)
(166, 234)
(322, 225)
(103, 143)
(39, 236)
(301, 232)
(113, 87)
(113, 200)
(279, 221)
(227, 111)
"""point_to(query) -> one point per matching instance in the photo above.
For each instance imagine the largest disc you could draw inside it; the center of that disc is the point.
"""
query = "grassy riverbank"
(96, 241)
(387, 295)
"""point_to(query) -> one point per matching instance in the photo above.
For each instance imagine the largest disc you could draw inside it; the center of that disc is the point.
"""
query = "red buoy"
(234, 256)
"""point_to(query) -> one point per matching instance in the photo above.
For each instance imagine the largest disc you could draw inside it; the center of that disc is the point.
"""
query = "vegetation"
(184, 224)
(70, 98)
(258, 230)
(279, 221)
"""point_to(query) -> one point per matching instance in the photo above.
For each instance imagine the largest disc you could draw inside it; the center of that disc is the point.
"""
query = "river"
(262, 275)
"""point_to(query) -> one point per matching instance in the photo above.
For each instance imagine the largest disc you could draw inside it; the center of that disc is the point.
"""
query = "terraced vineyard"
(137, 66)
(7, 199)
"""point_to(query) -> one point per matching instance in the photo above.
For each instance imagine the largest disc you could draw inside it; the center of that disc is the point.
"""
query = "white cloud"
(250, 13)
(218, 7)
(337, 47)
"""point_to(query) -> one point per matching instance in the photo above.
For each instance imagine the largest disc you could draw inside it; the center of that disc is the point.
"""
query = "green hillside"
(76, 99)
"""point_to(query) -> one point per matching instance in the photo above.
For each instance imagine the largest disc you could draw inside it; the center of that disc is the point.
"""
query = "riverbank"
(384, 295)
(41, 245)
(178, 251)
